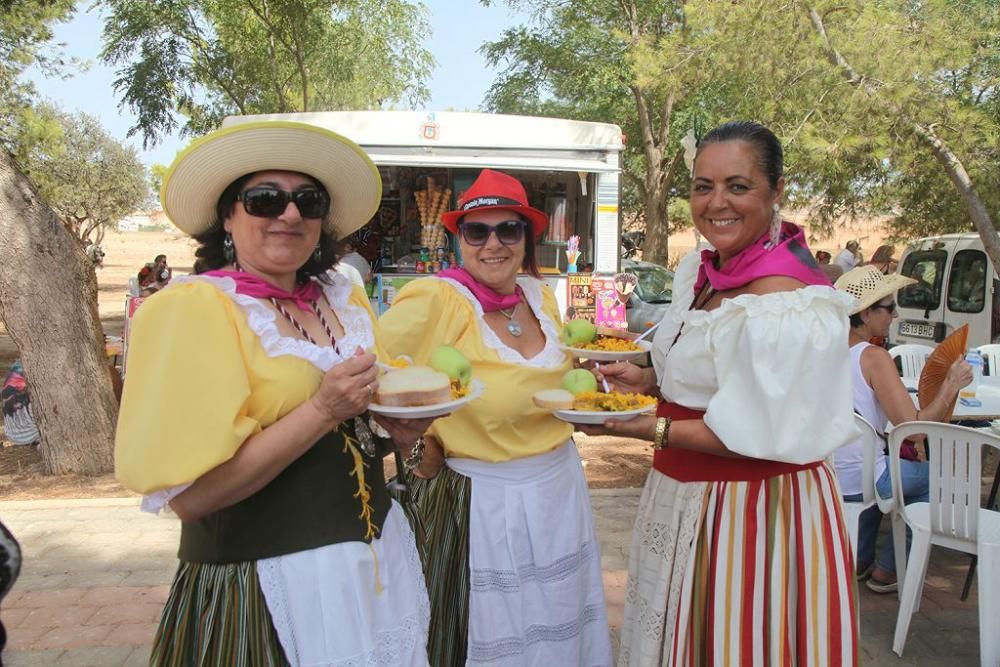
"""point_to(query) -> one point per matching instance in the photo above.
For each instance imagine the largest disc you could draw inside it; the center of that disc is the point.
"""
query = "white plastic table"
(988, 393)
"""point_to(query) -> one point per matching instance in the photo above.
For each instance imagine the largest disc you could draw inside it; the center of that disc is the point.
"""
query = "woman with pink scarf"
(511, 558)
(739, 553)
(244, 413)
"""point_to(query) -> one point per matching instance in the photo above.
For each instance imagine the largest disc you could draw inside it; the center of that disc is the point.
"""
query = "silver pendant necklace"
(512, 325)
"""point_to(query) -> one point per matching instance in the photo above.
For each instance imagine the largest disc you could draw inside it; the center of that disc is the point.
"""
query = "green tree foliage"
(650, 66)
(25, 40)
(87, 176)
(205, 59)
(924, 95)
(930, 74)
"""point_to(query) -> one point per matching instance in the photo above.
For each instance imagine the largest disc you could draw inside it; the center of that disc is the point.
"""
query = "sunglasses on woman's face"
(509, 232)
(888, 307)
(265, 201)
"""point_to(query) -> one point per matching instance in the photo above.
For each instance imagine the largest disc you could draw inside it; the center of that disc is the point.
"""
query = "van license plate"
(915, 329)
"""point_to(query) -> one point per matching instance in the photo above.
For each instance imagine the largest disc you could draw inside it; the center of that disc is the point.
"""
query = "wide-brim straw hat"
(869, 285)
(202, 171)
(496, 190)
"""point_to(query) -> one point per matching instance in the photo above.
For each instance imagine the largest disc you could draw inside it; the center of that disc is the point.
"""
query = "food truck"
(569, 168)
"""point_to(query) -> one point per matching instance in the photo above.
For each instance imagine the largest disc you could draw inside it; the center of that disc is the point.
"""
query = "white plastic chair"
(873, 443)
(911, 358)
(952, 519)
(991, 353)
(853, 509)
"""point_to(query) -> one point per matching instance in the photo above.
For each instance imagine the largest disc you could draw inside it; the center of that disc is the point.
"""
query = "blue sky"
(459, 81)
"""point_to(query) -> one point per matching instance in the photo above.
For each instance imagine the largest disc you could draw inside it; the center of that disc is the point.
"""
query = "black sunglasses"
(265, 201)
(889, 307)
(509, 232)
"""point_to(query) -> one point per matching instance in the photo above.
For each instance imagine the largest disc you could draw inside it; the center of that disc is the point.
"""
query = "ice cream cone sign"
(624, 286)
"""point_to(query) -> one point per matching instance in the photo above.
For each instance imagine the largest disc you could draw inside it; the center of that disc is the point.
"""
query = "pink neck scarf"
(791, 257)
(304, 295)
(490, 300)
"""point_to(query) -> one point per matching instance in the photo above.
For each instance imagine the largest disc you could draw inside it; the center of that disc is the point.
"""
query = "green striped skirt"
(216, 615)
(438, 510)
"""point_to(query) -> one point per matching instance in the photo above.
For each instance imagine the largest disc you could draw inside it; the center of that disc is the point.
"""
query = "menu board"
(609, 311)
(579, 297)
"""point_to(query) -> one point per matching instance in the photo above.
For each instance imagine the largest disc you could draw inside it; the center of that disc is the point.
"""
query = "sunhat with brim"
(495, 190)
(202, 171)
(869, 285)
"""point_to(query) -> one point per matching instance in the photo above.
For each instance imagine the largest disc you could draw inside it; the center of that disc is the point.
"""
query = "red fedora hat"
(495, 190)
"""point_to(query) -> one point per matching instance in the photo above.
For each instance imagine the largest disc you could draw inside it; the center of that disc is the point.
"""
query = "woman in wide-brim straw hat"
(881, 397)
(512, 562)
(243, 413)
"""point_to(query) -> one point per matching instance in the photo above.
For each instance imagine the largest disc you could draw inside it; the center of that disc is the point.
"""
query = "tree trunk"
(655, 249)
(48, 302)
(967, 191)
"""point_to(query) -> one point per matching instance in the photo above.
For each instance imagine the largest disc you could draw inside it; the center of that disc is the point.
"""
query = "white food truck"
(569, 168)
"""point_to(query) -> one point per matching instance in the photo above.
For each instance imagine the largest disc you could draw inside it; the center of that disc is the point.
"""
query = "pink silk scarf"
(791, 257)
(490, 300)
(304, 295)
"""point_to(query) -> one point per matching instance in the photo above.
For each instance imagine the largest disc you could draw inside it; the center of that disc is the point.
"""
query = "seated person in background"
(96, 255)
(155, 275)
(881, 397)
(921, 292)
(355, 259)
(849, 257)
(882, 259)
(832, 271)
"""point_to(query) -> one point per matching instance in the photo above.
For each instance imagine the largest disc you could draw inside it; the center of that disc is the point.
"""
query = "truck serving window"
(967, 285)
(927, 267)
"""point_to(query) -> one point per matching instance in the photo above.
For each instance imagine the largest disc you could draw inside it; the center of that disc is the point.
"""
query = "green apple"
(578, 381)
(446, 359)
(578, 332)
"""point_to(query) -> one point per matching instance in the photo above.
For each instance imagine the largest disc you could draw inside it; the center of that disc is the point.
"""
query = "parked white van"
(956, 284)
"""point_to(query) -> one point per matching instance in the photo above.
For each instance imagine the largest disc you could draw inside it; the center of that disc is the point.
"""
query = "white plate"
(602, 355)
(425, 411)
(598, 417)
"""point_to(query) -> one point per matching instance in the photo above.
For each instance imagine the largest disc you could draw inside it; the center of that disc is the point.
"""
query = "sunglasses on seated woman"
(265, 201)
(888, 307)
(509, 232)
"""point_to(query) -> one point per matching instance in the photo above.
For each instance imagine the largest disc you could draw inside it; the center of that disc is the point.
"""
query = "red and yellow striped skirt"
(741, 573)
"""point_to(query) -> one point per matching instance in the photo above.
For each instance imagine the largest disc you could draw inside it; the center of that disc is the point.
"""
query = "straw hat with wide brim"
(869, 285)
(202, 171)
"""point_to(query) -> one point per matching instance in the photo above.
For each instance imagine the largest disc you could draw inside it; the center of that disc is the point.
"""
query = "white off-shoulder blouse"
(772, 372)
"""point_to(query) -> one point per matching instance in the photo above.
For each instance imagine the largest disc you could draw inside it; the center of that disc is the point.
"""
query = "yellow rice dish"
(595, 401)
(458, 391)
(610, 344)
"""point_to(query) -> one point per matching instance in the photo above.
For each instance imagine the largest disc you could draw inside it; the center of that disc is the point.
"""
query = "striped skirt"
(216, 615)
(438, 510)
(740, 573)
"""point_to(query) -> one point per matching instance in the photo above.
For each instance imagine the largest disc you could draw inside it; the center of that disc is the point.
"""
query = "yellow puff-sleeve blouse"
(504, 423)
(208, 368)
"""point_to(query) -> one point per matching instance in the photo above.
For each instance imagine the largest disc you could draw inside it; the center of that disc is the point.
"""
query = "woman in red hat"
(511, 558)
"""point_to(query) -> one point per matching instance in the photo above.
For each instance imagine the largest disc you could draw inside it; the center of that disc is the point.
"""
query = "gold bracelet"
(662, 432)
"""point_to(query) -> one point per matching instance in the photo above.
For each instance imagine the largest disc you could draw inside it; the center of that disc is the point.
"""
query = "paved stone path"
(96, 574)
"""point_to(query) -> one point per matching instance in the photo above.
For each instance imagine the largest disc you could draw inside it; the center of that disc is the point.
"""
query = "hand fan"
(938, 363)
